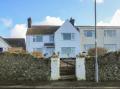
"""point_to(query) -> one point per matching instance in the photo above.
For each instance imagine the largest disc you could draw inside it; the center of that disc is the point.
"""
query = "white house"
(69, 40)
(64, 39)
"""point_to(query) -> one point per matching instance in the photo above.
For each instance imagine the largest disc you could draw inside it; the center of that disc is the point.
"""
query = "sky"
(14, 14)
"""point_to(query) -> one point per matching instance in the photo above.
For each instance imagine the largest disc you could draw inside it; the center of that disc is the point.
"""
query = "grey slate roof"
(48, 29)
(42, 29)
(15, 42)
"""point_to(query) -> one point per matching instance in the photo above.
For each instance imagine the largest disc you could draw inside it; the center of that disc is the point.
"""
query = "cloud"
(115, 21)
(51, 21)
(18, 31)
(97, 1)
(6, 22)
(100, 1)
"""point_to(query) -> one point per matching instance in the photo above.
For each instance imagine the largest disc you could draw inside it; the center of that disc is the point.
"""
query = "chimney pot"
(29, 22)
(72, 21)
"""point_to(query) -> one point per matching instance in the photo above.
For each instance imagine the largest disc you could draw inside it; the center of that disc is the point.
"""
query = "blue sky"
(14, 13)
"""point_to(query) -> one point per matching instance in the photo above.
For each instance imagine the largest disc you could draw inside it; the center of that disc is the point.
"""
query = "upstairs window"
(68, 36)
(109, 33)
(38, 38)
(89, 33)
(51, 38)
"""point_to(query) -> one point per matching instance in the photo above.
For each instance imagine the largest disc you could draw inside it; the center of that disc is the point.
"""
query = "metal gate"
(67, 67)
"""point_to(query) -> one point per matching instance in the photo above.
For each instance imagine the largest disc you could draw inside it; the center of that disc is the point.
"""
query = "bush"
(100, 51)
(23, 67)
(38, 54)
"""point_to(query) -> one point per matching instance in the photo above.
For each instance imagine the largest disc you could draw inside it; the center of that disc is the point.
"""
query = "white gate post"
(80, 67)
(55, 67)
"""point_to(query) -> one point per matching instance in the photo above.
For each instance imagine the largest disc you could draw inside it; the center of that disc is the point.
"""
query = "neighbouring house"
(69, 40)
(64, 39)
(12, 44)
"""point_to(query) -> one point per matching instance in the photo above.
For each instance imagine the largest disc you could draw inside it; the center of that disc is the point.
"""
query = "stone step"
(67, 73)
(68, 77)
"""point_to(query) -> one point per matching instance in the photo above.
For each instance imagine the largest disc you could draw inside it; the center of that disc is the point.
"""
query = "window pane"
(89, 33)
(33, 39)
(51, 38)
(109, 33)
(66, 36)
(37, 38)
(73, 36)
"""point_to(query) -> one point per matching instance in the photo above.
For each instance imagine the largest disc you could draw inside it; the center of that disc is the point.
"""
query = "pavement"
(63, 85)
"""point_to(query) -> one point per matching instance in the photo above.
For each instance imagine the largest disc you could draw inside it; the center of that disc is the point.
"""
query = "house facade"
(69, 40)
(107, 37)
(49, 39)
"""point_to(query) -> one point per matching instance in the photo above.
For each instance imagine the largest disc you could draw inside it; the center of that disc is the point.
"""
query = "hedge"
(109, 67)
(23, 67)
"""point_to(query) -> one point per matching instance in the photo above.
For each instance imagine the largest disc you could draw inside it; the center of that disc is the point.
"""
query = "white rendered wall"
(30, 44)
(67, 27)
(101, 40)
(4, 45)
(80, 68)
(55, 68)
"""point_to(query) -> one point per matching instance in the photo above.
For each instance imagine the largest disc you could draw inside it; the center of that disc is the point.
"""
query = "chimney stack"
(29, 22)
(72, 21)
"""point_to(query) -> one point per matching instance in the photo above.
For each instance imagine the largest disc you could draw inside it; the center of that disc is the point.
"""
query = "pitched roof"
(42, 29)
(100, 27)
(48, 29)
(16, 42)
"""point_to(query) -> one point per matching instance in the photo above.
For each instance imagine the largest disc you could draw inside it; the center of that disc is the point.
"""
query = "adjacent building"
(12, 44)
(69, 40)
(107, 37)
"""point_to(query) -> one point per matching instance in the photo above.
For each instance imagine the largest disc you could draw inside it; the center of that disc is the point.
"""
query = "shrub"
(38, 54)
(21, 67)
(100, 51)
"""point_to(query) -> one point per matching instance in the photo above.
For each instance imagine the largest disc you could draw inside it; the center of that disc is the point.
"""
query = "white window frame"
(72, 36)
(51, 38)
(36, 38)
(110, 33)
(87, 34)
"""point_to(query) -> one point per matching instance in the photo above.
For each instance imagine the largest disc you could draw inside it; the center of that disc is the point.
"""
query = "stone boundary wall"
(109, 67)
